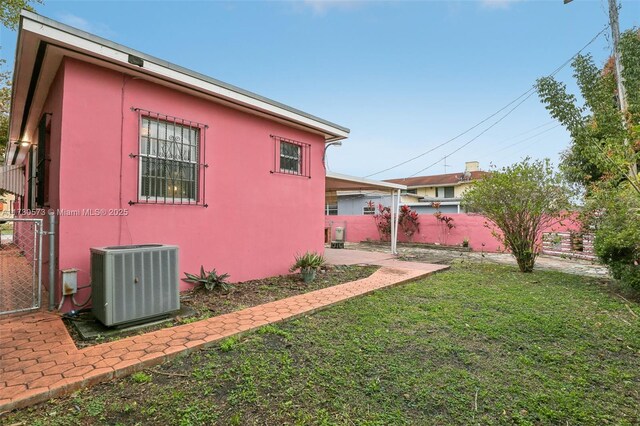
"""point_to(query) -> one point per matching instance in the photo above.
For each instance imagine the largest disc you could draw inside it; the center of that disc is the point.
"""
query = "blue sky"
(404, 76)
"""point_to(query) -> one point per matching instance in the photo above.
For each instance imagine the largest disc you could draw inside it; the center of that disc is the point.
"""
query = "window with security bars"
(291, 157)
(170, 166)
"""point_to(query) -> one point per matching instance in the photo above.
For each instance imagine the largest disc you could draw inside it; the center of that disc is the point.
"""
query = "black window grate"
(291, 157)
(171, 154)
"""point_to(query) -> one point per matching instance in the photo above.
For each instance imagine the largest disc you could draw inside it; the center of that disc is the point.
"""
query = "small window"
(170, 170)
(445, 192)
(39, 181)
(331, 210)
(412, 191)
(291, 157)
(368, 210)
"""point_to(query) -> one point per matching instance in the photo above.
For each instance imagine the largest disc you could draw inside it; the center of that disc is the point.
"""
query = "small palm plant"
(211, 280)
(308, 264)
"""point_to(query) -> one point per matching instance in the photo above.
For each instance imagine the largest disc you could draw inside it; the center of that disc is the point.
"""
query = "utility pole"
(622, 95)
(615, 36)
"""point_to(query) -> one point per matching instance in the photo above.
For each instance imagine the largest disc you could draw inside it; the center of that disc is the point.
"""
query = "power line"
(517, 105)
(453, 138)
(526, 96)
(475, 137)
(527, 131)
(525, 147)
(523, 140)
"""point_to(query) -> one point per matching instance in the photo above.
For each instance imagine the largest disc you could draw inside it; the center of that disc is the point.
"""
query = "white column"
(393, 222)
(395, 237)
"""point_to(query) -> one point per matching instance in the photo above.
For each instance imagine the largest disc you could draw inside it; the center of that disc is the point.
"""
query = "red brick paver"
(38, 359)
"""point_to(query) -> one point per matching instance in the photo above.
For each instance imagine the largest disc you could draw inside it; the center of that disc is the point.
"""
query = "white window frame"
(443, 189)
(369, 211)
(329, 208)
(194, 162)
(298, 159)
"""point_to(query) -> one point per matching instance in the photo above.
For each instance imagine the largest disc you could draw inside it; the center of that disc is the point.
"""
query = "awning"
(340, 182)
(12, 179)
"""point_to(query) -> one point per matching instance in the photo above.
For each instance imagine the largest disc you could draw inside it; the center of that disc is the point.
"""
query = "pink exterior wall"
(472, 227)
(256, 221)
(53, 105)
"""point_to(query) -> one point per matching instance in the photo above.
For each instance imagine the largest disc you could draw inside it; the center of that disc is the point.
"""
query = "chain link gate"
(20, 264)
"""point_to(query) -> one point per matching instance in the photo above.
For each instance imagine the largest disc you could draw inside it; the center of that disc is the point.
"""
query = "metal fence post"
(52, 261)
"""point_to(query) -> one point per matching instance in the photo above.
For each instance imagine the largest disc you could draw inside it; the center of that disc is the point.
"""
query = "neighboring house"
(6, 204)
(421, 193)
(130, 149)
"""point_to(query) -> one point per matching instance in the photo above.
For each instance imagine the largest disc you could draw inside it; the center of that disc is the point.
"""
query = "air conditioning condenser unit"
(134, 283)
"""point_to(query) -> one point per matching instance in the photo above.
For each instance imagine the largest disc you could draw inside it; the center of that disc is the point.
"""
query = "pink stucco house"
(130, 149)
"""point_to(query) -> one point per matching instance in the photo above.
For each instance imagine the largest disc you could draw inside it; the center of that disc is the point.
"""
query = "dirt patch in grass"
(207, 304)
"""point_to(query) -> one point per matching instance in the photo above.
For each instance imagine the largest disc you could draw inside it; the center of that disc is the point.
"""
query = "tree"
(10, 11)
(602, 148)
(604, 153)
(5, 101)
(521, 201)
(9, 18)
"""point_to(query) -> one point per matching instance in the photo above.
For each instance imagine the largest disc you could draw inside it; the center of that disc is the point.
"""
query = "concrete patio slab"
(363, 257)
(356, 257)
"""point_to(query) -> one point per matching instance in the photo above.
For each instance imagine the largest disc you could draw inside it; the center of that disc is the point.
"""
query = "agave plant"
(308, 264)
(211, 280)
(309, 260)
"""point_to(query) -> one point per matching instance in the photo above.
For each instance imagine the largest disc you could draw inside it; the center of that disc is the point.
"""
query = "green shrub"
(519, 202)
(617, 236)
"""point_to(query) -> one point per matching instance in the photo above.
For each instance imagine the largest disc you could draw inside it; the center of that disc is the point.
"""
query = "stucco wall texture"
(256, 220)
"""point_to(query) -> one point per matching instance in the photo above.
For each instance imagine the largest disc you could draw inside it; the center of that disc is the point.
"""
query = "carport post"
(395, 228)
(393, 222)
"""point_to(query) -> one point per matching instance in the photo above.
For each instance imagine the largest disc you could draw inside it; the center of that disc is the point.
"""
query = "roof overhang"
(43, 43)
(340, 182)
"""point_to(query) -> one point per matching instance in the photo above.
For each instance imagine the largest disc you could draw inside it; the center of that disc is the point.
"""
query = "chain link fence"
(20, 264)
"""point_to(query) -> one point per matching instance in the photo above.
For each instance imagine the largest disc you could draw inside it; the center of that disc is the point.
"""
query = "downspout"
(395, 246)
(324, 154)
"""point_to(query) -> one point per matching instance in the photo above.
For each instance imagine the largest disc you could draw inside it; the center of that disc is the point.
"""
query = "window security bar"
(291, 157)
(171, 160)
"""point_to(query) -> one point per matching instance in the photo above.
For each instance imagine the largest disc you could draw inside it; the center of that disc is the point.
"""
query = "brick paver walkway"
(38, 359)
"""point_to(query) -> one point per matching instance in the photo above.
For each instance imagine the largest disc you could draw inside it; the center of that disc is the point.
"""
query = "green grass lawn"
(480, 344)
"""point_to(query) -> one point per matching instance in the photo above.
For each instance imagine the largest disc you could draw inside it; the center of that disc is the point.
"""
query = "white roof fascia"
(365, 181)
(114, 52)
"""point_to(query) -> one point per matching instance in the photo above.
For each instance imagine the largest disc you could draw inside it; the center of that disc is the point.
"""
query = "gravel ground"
(444, 256)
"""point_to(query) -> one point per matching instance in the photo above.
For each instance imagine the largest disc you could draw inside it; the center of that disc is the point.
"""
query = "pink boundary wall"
(470, 226)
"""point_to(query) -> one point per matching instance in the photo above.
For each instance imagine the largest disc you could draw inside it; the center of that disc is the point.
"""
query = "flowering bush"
(408, 222)
(445, 224)
(383, 220)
